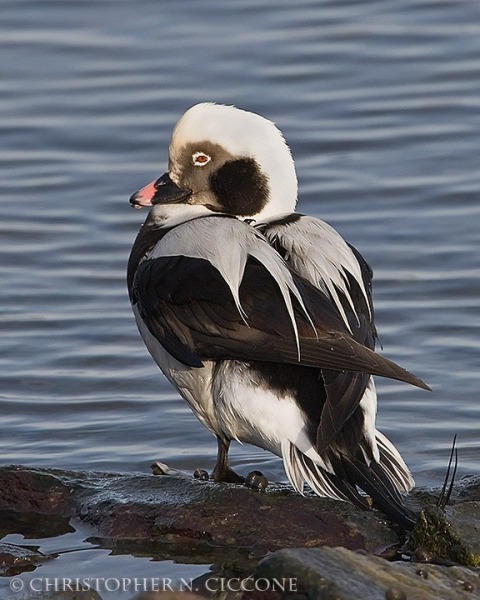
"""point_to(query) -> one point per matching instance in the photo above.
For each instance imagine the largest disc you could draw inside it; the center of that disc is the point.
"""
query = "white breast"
(193, 384)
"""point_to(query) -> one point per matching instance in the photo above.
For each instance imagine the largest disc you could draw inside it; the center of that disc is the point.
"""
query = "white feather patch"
(300, 471)
(393, 464)
(368, 404)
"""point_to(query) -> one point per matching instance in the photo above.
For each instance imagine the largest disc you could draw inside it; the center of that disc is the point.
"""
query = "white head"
(233, 161)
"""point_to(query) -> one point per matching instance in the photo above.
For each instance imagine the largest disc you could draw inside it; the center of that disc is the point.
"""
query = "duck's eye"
(200, 159)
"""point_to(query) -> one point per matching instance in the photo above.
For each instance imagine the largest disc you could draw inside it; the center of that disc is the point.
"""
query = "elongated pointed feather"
(315, 251)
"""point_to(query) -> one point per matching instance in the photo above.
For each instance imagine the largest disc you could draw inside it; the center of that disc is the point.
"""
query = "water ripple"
(380, 104)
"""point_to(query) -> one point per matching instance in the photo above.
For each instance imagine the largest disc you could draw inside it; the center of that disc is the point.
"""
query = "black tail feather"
(350, 475)
(374, 482)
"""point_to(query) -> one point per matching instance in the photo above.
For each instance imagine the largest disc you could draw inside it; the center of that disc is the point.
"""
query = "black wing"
(187, 305)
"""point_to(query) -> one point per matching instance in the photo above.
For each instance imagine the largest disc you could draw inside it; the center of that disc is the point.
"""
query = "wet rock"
(34, 491)
(451, 535)
(159, 468)
(201, 474)
(33, 525)
(395, 593)
(256, 480)
(467, 489)
(16, 559)
(177, 508)
(175, 516)
(340, 574)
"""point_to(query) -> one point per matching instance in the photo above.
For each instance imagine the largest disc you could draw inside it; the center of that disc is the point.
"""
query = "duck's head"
(228, 160)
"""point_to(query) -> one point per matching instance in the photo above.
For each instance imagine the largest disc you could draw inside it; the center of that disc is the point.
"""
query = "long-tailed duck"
(261, 317)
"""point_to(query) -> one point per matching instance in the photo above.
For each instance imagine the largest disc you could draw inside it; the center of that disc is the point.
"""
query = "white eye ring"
(200, 159)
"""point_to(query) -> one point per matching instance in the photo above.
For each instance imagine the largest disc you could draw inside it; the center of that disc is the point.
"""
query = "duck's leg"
(222, 472)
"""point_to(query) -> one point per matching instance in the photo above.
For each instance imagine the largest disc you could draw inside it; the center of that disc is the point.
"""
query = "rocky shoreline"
(333, 550)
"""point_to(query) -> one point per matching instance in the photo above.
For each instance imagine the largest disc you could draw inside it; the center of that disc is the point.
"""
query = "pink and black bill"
(160, 191)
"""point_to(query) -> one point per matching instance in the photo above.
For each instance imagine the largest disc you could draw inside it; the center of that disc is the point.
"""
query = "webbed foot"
(227, 475)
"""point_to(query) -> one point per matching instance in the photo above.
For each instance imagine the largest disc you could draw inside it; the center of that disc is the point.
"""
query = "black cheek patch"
(240, 187)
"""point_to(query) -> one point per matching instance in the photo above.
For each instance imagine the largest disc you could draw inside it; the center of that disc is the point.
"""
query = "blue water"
(380, 102)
